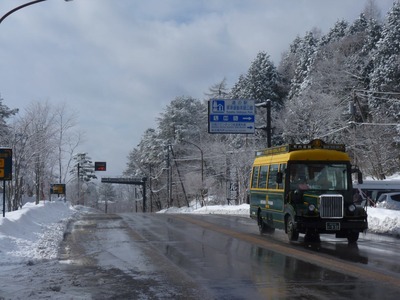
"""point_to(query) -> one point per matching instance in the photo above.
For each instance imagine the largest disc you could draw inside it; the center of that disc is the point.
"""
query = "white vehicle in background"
(389, 201)
(371, 190)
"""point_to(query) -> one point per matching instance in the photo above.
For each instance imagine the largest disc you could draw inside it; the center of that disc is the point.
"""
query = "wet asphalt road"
(164, 256)
(226, 255)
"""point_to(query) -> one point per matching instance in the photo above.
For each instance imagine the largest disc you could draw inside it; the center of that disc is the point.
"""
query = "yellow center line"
(322, 261)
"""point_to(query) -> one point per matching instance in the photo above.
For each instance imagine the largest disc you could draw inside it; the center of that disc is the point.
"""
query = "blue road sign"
(231, 116)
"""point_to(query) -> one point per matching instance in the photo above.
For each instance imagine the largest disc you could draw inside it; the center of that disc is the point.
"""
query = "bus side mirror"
(359, 177)
(279, 177)
(359, 174)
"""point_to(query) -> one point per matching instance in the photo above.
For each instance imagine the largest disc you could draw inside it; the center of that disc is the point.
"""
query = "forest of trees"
(342, 87)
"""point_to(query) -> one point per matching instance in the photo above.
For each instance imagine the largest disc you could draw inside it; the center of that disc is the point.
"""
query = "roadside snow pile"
(384, 221)
(242, 209)
(33, 232)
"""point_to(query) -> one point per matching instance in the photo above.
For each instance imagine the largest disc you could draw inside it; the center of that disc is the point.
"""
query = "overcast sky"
(118, 63)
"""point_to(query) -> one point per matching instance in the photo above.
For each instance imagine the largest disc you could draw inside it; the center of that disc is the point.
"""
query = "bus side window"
(254, 177)
(273, 171)
(282, 170)
(263, 177)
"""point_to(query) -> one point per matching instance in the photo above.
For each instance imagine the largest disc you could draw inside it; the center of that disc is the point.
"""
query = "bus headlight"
(311, 208)
(352, 208)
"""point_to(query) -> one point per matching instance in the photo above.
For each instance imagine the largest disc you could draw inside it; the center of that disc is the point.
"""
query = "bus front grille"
(331, 206)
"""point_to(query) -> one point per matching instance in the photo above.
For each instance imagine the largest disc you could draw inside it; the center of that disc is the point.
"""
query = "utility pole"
(267, 128)
(151, 189)
(79, 185)
(201, 169)
(169, 188)
(180, 178)
(144, 179)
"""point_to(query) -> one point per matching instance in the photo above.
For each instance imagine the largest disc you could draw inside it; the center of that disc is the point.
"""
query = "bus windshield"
(317, 176)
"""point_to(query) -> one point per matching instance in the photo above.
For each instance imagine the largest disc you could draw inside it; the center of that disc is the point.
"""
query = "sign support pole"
(5, 171)
(4, 198)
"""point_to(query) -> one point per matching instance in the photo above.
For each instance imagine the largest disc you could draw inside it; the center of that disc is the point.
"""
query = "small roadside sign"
(100, 166)
(57, 188)
(231, 116)
(5, 164)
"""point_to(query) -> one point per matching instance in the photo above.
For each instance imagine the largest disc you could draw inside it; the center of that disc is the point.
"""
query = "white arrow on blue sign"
(231, 116)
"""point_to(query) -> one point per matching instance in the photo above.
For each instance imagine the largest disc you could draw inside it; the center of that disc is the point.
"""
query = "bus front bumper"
(319, 225)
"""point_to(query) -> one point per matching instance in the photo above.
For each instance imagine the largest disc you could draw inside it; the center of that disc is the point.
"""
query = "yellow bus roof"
(316, 150)
(303, 155)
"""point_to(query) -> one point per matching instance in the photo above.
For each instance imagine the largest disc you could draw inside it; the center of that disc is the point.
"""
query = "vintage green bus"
(306, 188)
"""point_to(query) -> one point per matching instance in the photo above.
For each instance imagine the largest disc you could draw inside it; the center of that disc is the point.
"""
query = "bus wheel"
(291, 230)
(264, 227)
(352, 237)
(261, 225)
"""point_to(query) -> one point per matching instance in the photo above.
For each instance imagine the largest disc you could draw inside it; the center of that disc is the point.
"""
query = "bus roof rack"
(314, 144)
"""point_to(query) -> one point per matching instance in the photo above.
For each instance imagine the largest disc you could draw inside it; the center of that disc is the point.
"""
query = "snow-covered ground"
(35, 231)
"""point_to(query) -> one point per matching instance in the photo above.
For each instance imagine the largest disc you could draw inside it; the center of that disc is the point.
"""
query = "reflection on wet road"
(226, 255)
(164, 256)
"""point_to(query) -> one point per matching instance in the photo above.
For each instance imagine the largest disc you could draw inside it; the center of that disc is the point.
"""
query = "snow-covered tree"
(149, 159)
(239, 89)
(305, 53)
(39, 128)
(82, 172)
(107, 194)
(39, 137)
(5, 113)
(306, 117)
(218, 90)
(83, 167)
(336, 33)
(183, 115)
(263, 81)
(67, 140)
(386, 74)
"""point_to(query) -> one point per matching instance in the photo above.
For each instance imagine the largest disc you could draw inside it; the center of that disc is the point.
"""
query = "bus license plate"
(333, 226)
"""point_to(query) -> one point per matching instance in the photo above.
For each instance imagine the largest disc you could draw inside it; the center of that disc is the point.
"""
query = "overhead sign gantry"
(129, 180)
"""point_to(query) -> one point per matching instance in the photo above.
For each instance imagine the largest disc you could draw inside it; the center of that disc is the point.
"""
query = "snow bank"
(33, 232)
(384, 221)
(242, 209)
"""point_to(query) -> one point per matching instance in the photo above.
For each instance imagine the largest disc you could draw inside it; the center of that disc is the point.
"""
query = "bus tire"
(261, 225)
(352, 237)
(291, 230)
(264, 227)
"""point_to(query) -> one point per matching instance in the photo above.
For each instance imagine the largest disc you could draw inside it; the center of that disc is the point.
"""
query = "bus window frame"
(272, 176)
(262, 181)
(255, 177)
